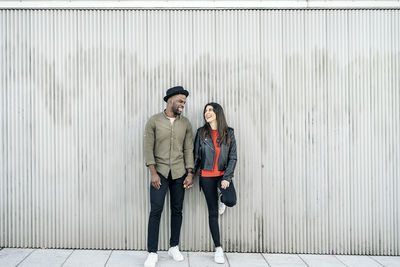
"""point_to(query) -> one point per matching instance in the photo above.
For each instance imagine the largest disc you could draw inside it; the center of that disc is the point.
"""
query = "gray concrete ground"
(113, 258)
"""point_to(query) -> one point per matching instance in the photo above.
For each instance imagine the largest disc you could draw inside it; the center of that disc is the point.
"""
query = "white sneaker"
(175, 253)
(151, 260)
(219, 255)
(221, 208)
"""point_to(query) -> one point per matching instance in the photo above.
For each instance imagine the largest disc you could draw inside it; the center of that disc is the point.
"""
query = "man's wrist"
(152, 169)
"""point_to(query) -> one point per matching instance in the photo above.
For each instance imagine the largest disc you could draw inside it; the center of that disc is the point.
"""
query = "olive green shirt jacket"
(168, 146)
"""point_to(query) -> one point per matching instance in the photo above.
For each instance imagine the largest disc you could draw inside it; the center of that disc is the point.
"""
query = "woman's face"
(210, 115)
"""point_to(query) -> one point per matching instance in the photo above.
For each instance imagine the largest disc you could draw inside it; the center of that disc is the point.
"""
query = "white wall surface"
(313, 96)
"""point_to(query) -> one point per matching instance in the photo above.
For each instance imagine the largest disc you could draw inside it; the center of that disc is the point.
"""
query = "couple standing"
(168, 150)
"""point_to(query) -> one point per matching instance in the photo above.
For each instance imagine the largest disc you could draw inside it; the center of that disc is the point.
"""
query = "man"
(168, 151)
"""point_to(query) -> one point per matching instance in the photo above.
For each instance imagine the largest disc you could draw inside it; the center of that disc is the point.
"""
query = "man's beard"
(176, 111)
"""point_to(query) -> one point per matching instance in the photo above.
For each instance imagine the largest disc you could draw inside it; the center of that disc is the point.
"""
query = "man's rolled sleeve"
(188, 148)
(149, 142)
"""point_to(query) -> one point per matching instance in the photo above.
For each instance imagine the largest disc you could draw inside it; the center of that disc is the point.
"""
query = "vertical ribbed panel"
(4, 202)
(65, 121)
(383, 116)
(240, 102)
(394, 82)
(294, 123)
(272, 131)
(136, 113)
(313, 96)
(315, 136)
(338, 132)
(360, 133)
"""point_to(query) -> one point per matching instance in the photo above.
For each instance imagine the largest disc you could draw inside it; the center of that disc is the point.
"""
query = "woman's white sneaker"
(152, 259)
(175, 253)
(221, 208)
(219, 255)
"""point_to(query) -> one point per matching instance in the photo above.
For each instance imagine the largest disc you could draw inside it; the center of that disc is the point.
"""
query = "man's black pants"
(157, 197)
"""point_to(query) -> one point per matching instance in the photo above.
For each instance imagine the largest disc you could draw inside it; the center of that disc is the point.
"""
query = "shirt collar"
(165, 115)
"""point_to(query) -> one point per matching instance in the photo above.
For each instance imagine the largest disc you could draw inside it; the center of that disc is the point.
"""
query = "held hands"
(188, 182)
(224, 184)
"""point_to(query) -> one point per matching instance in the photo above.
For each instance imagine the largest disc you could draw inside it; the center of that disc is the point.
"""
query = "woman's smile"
(210, 115)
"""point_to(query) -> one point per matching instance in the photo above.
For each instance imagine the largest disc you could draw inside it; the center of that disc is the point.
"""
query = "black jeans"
(157, 197)
(228, 197)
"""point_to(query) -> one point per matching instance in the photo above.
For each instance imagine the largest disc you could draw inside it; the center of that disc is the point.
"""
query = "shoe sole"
(148, 265)
(173, 257)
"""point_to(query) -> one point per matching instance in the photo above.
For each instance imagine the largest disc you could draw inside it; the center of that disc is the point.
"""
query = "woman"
(215, 161)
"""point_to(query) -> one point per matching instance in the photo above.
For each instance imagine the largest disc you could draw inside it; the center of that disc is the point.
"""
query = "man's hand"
(188, 182)
(155, 178)
(155, 181)
(224, 184)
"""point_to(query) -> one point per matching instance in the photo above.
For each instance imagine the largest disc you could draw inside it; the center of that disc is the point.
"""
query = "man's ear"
(169, 101)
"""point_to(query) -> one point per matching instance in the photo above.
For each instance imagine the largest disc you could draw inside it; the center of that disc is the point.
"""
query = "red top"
(215, 172)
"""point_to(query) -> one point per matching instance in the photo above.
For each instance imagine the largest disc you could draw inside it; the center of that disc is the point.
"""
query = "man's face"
(178, 103)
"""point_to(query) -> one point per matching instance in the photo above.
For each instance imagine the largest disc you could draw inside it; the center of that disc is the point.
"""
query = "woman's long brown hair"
(223, 130)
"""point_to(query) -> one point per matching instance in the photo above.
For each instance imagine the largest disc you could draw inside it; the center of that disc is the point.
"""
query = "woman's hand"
(224, 184)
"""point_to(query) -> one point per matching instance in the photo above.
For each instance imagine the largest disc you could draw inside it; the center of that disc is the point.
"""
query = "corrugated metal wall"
(314, 97)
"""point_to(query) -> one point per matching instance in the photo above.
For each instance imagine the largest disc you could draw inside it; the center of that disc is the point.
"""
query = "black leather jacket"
(204, 153)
